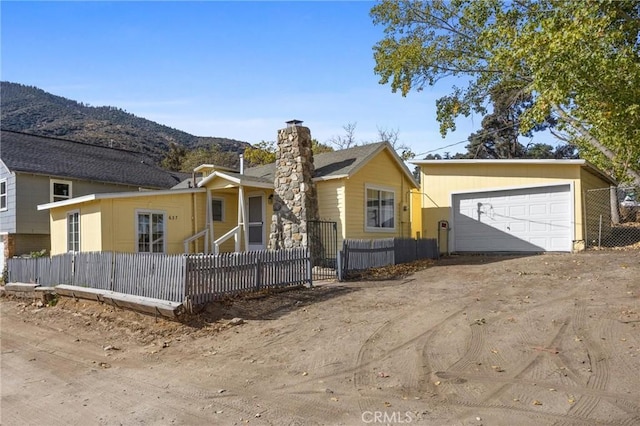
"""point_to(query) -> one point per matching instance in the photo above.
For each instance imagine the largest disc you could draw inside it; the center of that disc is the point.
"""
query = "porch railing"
(205, 233)
(234, 232)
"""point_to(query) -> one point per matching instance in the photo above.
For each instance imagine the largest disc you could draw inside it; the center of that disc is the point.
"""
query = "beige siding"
(382, 172)
(32, 190)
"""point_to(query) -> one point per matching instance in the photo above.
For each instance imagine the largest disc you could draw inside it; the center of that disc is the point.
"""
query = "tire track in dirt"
(622, 365)
(516, 377)
(599, 358)
(474, 348)
(599, 376)
(543, 418)
(80, 368)
(371, 352)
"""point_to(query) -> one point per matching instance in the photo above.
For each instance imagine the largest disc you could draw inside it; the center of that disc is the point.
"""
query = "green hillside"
(32, 110)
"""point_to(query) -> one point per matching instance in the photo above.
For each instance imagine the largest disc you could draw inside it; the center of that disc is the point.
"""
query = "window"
(60, 190)
(217, 209)
(73, 231)
(150, 232)
(380, 209)
(3, 194)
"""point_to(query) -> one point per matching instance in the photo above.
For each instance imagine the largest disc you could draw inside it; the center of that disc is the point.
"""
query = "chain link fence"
(612, 217)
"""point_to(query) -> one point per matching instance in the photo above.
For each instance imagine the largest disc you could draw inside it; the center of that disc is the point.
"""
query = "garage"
(532, 219)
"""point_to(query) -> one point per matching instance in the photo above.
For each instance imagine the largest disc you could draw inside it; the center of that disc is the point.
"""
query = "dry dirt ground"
(536, 340)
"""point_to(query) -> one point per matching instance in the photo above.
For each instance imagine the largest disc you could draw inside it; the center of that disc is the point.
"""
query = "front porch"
(237, 214)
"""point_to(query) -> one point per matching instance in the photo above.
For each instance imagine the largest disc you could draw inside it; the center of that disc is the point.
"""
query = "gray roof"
(333, 164)
(22, 152)
(328, 165)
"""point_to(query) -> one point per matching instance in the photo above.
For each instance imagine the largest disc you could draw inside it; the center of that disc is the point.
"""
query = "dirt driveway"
(548, 339)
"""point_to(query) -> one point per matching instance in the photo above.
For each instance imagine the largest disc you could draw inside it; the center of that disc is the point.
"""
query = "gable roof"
(520, 161)
(337, 164)
(22, 152)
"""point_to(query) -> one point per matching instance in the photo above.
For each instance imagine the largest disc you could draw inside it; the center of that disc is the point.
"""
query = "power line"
(465, 140)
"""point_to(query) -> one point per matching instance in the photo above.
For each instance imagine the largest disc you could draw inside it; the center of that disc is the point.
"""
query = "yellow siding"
(441, 180)
(90, 235)
(90, 230)
(416, 213)
(231, 216)
(331, 204)
(230, 220)
(110, 224)
(381, 171)
(120, 228)
(58, 222)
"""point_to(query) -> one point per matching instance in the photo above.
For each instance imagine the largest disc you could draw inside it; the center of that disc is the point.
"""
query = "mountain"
(29, 109)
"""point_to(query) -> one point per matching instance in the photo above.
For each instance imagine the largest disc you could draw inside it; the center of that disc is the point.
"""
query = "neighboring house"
(36, 170)
(365, 190)
(505, 205)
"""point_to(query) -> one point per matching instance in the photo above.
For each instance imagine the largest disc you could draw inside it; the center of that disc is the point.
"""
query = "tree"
(501, 129)
(498, 137)
(348, 140)
(393, 137)
(208, 155)
(262, 153)
(173, 160)
(578, 62)
(265, 152)
(318, 147)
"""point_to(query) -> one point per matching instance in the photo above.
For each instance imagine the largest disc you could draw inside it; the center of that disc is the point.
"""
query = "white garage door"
(517, 220)
(1, 255)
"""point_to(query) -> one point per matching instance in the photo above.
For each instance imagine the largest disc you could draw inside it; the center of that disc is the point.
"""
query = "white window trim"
(69, 213)
(5, 195)
(395, 209)
(164, 229)
(64, 182)
(223, 200)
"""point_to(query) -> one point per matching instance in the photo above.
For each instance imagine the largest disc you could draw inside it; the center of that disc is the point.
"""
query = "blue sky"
(230, 69)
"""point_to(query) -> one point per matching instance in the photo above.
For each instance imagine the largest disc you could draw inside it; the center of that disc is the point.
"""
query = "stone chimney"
(295, 202)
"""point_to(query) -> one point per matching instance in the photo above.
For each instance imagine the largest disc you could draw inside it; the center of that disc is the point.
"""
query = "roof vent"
(293, 123)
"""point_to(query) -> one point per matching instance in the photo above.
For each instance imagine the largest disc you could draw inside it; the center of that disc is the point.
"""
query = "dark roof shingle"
(336, 164)
(328, 164)
(22, 152)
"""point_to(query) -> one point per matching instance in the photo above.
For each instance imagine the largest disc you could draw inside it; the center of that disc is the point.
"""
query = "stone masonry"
(295, 200)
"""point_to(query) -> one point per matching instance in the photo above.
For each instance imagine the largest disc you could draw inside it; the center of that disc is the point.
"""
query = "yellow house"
(365, 190)
(504, 205)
